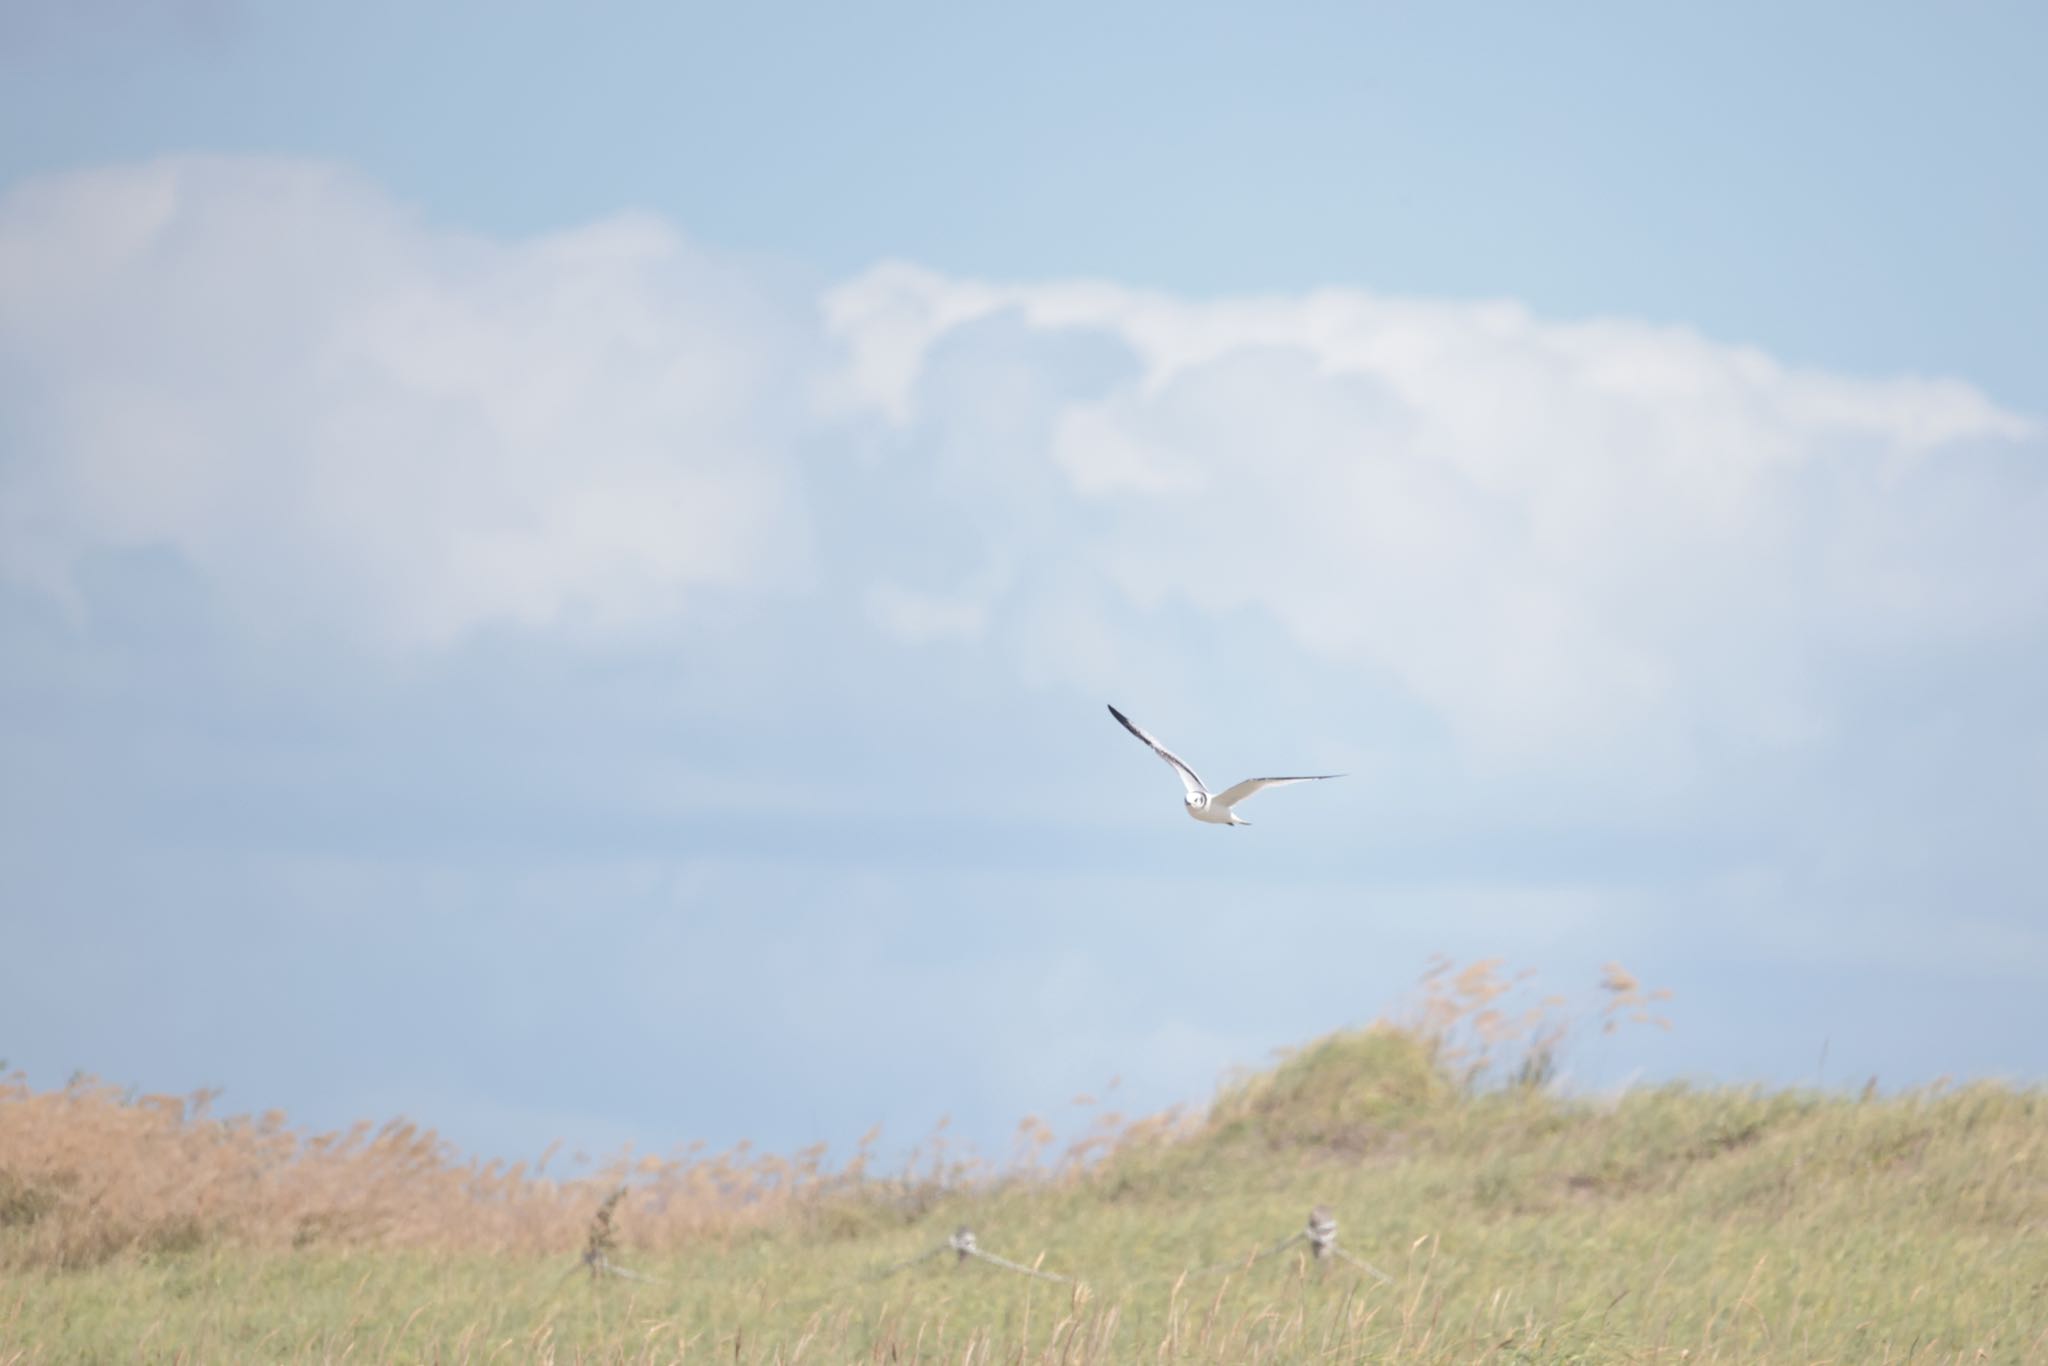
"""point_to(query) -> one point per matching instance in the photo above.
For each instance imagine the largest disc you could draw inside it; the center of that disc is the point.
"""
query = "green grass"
(1671, 1224)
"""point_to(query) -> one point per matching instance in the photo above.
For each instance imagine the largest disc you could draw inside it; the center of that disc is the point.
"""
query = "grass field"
(1517, 1225)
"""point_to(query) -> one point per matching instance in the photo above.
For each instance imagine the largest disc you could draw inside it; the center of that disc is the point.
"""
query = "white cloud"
(344, 417)
(1562, 539)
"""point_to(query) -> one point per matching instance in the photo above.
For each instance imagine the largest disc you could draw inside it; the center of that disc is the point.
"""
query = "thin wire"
(1245, 1263)
(1363, 1265)
(913, 1261)
(1321, 1236)
(606, 1267)
(597, 1264)
(1008, 1265)
(962, 1244)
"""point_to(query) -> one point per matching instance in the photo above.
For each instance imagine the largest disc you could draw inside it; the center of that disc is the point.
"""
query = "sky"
(560, 568)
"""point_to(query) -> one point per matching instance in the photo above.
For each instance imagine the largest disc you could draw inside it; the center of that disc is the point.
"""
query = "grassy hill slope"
(1666, 1224)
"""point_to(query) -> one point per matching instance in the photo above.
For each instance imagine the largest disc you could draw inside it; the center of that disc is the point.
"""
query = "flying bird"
(1216, 808)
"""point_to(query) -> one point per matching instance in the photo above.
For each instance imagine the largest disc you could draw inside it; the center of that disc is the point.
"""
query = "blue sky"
(559, 573)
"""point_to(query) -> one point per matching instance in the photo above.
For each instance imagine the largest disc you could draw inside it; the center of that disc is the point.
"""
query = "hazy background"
(559, 573)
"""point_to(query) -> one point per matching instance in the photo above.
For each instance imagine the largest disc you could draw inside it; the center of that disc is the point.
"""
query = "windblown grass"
(1667, 1224)
(88, 1174)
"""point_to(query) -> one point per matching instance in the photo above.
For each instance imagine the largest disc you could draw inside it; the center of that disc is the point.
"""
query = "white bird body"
(1213, 808)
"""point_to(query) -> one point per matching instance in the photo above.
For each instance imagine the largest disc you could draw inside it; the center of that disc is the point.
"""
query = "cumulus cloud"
(1558, 538)
(1561, 537)
(344, 417)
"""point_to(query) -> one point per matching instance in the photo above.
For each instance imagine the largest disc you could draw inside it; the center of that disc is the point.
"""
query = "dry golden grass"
(88, 1173)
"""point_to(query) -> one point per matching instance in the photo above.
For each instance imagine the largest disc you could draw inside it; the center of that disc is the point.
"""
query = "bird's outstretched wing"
(1237, 792)
(1187, 775)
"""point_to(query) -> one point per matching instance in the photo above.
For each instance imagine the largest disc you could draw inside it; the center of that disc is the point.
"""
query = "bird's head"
(1196, 800)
